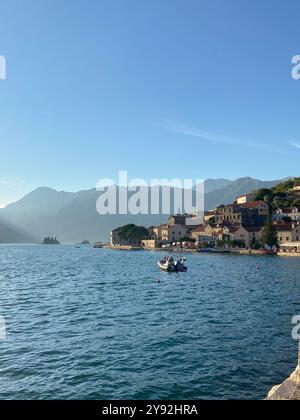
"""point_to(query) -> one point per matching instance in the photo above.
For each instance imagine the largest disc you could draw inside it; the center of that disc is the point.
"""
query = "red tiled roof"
(253, 229)
(284, 227)
(217, 232)
(234, 229)
(252, 204)
(285, 209)
(200, 228)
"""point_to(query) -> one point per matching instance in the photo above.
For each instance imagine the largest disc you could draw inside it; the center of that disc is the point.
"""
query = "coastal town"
(250, 225)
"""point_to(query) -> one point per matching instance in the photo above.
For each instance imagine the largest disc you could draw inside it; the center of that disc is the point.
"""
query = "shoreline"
(235, 251)
(238, 251)
(288, 254)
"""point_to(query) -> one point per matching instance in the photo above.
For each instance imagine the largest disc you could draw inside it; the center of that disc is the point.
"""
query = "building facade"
(284, 233)
(178, 219)
(173, 233)
(254, 213)
(255, 236)
(296, 233)
(281, 213)
(114, 237)
(246, 198)
(206, 234)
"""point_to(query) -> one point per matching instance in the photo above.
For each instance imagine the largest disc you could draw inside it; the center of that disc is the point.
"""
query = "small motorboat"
(171, 265)
(98, 245)
(206, 250)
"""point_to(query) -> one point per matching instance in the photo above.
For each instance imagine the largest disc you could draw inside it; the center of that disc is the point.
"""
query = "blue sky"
(173, 88)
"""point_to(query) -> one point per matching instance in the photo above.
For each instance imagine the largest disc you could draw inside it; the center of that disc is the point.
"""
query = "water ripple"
(95, 324)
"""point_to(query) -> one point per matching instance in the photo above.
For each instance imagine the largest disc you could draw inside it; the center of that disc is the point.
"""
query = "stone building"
(246, 198)
(173, 233)
(254, 213)
(281, 213)
(284, 233)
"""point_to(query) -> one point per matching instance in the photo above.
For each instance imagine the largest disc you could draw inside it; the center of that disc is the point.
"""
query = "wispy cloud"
(209, 137)
(11, 182)
(11, 189)
(297, 145)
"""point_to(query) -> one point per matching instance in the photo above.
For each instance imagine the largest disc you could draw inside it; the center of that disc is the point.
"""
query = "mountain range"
(72, 217)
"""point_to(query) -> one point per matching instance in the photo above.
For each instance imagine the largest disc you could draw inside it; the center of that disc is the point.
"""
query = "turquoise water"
(95, 324)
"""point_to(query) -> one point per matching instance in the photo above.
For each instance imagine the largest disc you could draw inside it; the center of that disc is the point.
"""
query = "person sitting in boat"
(171, 262)
(165, 260)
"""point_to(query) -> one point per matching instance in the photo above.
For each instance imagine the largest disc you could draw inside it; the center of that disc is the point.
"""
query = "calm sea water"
(95, 324)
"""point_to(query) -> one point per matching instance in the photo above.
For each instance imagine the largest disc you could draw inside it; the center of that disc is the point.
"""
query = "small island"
(50, 241)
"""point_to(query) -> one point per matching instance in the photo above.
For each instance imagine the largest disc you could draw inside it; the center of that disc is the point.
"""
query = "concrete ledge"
(289, 390)
(125, 248)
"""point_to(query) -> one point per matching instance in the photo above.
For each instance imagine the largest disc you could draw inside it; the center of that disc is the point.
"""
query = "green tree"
(263, 193)
(133, 234)
(187, 239)
(270, 234)
(212, 221)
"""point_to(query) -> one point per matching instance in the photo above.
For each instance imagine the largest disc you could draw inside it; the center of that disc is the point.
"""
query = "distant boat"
(269, 252)
(98, 245)
(206, 250)
(51, 241)
(85, 243)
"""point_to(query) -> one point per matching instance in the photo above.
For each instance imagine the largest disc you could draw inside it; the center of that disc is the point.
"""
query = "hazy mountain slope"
(72, 220)
(44, 200)
(79, 220)
(216, 184)
(72, 217)
(10, 234)
(229, 193)
(35, 213)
